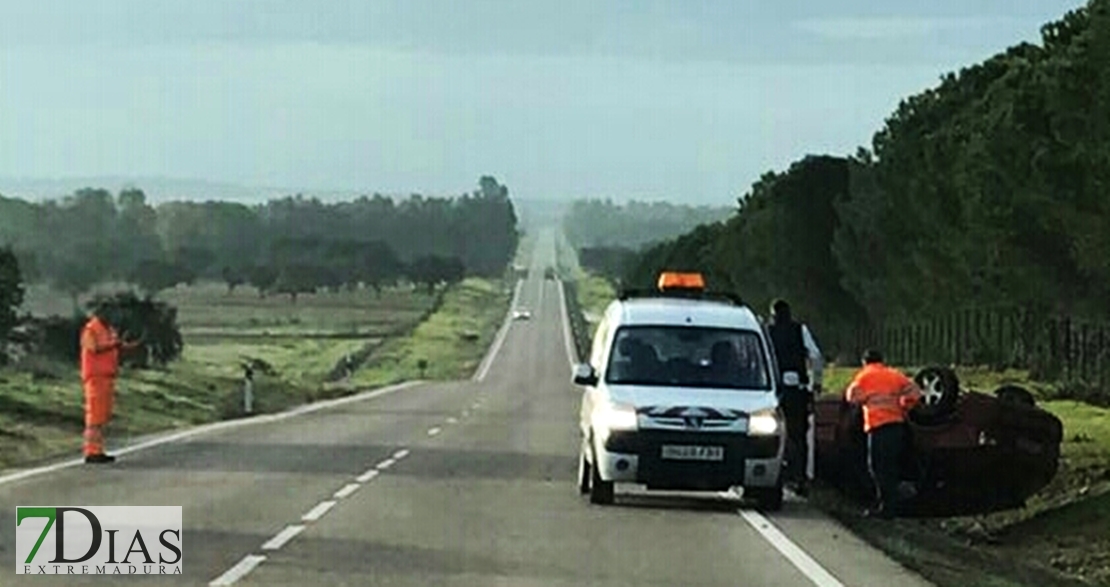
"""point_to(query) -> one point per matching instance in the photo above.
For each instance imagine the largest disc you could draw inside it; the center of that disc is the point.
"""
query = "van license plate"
(693, 453)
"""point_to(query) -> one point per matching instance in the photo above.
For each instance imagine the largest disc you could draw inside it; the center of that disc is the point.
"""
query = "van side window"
(597, 355)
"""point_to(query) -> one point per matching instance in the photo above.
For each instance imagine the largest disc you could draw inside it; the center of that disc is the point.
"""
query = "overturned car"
(971, 452)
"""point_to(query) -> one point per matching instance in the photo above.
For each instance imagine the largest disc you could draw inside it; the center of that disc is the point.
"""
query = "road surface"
(468, 483)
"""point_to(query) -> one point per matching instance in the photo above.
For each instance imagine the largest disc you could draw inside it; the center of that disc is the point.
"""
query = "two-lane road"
(467, 483)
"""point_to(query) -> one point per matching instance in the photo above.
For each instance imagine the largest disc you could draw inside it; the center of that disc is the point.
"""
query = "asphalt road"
(467, 483)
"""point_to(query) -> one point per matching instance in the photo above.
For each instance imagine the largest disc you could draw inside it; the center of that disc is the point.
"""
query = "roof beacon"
(671, 280)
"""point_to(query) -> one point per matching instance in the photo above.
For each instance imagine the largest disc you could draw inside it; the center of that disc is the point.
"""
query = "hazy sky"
(686, 99)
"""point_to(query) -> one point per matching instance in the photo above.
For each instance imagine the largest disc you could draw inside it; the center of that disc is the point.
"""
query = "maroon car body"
(972, 453)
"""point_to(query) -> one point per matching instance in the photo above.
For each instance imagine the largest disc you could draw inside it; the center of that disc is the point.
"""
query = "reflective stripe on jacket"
(885, 394)
(99, 350)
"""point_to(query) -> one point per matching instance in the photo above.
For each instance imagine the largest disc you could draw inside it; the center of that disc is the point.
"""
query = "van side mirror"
(584, 374)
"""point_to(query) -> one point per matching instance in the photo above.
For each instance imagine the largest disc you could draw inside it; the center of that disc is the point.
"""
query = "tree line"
(290, 246)
(990, 190)
(603, 224)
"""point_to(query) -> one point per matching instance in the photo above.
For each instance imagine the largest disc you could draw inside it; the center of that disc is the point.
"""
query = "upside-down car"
(971, 452)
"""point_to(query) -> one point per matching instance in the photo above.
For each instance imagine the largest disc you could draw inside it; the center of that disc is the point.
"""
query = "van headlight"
(763, 423)
(616, 417)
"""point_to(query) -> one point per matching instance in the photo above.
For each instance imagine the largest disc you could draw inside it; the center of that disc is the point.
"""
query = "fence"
(1049, 346)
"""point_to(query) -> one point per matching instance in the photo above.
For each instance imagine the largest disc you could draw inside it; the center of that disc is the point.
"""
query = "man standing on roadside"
(794, 347)
(886, 396)
(100, 347)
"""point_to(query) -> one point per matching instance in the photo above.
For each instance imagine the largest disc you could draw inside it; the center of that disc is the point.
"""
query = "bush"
(155, 321)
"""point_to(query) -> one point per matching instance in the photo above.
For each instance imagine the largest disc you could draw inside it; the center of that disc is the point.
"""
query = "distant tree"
(379, 266)
(75, 278)
(262, 278)
(297, 279)
(232, 277)
(154, 275)
(197, 260)
(11, 292)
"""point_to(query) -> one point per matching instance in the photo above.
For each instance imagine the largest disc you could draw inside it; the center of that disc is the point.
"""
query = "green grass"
(41, 413)
(1063, 529)
(452, 341)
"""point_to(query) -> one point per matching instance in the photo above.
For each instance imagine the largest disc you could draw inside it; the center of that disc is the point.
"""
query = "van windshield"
(685, 356)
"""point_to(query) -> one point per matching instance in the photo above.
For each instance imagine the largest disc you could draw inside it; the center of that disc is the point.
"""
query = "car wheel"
(767, 498)
(584, 472)
(1015, 394)
(601, 492)
(940, 389)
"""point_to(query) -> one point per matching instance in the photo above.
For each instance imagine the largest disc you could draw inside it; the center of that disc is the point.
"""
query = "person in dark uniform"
(795, 349)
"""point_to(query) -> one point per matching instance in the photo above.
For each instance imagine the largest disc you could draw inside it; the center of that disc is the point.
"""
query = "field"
(1062, 533)
(298, 345)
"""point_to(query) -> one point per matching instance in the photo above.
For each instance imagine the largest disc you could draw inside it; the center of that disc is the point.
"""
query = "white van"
(680, 394)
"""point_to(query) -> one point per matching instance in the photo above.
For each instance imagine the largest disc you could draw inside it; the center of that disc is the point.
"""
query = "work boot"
(99, 459)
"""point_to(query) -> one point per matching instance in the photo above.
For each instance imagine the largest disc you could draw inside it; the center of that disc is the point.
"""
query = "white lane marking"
(282, 537)
(502, 334)
(793, 553)
(434, 431)
(367, 476)
(318, 512)
(567, 336)
(240, 570)
(347, 490)
(385, 464)
(404, 452)
(452, 420)
(466, 413)
(210, 428)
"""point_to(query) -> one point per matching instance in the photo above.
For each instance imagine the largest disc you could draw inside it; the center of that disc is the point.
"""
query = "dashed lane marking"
(282, 537)
(367, 476)
(434, 431)
(318, 512)
(401, 454)
(240, 570)
(385, 464)
(347, 490)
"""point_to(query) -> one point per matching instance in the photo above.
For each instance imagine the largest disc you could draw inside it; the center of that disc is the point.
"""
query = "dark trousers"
(884, 455)
(796, 403)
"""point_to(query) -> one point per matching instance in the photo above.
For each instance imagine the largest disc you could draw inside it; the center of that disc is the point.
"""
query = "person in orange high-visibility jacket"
(886, 396)
(100, 347)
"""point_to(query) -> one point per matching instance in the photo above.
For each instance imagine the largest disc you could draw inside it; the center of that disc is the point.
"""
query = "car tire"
(767, 498)
(1015, 394)
(584, 473)
(941, 390)
(601, 491)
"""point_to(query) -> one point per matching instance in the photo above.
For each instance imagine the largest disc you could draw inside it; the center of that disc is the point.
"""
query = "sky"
(688, 100)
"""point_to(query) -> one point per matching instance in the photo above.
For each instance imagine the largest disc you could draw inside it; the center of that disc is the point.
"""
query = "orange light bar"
(675, 280)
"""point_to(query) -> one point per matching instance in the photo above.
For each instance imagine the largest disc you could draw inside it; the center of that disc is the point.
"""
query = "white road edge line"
(283, 537)
(210, 428)
(385, 464)
(240, 570)
(347, 490)
(318, 512)
(367, 476)
(404, 452)
(434, 431)
(793, 553)
(452, 420)
(502, 334)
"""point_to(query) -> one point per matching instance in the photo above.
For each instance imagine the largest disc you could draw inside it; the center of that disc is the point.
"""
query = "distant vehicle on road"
(522, 314)
(972, 453)
(679, 395)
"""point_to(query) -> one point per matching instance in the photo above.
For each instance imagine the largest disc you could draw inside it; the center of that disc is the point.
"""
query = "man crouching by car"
(887, 396)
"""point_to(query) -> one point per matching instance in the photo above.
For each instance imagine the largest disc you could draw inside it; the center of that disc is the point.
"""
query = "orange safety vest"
(99, 350)
(885, 393)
